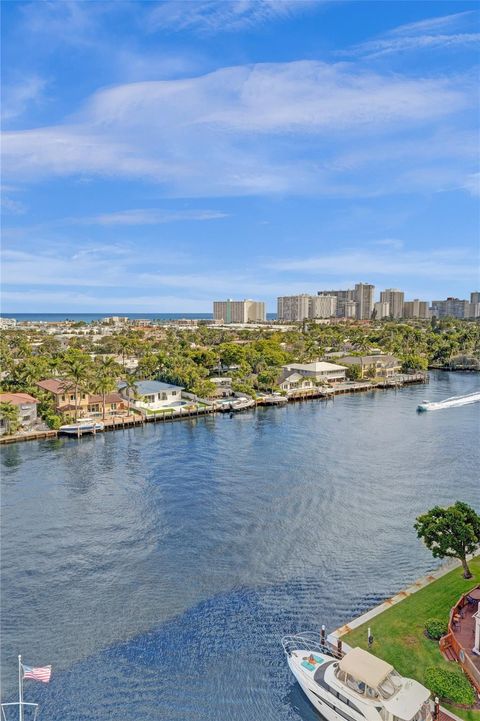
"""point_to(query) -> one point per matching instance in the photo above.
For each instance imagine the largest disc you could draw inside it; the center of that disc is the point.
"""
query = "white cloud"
(212, 16)
(433, 25)
(447, 31)
(19, 96)
(449, 265)
(240, 130)
(472, 184)
(152, 217)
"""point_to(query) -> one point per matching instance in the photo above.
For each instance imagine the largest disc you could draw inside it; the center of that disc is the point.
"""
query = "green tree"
(9, 414)
(452, 532)
(353, 372)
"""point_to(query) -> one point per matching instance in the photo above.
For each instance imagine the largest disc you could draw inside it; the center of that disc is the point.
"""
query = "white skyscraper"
(364, 298)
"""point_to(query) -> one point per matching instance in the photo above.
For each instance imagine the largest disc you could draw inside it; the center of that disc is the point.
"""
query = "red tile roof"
(54, 385)
(109, 398)
(17, 399)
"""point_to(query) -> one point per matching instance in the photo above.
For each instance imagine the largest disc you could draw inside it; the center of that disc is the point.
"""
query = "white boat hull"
(80, 429)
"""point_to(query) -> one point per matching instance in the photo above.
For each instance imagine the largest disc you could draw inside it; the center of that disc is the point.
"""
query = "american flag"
(37, 674)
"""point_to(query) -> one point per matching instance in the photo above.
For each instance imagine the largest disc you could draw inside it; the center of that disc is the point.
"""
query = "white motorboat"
(356, 687)
(83, 425)
(452, 402)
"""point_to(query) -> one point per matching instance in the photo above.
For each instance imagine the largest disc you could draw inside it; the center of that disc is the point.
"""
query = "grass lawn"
(398, 632)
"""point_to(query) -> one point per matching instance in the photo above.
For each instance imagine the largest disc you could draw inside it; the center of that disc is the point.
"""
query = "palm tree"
(131, 389)
(9, 414)
(76, 369)
(106, 371)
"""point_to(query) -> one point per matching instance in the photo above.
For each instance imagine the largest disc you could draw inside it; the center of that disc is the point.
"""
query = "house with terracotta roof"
(88, 404)
(27, 409)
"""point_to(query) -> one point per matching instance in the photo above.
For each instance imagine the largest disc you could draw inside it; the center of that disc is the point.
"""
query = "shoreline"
(122, 422)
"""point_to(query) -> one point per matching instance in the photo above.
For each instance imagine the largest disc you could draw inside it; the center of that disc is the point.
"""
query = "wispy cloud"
(213, 16)
(448, 265)
(19, 96)
(205, 136)
(152, 217)
(448, 31)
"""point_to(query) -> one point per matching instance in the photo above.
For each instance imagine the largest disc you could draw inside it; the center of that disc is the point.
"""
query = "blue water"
(157, 568)
(90, 317)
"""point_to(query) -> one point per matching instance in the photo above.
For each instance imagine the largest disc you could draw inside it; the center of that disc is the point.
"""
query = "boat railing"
(33, 706)
(309, 641)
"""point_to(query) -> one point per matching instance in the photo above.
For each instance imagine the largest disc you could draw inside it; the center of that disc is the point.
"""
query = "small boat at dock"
(83, 425)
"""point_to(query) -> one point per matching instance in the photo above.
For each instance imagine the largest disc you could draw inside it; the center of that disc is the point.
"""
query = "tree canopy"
(452, 532)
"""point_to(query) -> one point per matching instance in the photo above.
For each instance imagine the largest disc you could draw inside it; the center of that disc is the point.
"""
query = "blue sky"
(159, 155)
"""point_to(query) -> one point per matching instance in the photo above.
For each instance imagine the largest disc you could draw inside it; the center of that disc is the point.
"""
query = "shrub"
(436, 628)
(450, 685)
(53, 421)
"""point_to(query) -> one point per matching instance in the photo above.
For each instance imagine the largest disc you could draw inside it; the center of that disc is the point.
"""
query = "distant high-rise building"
(451, 308)
(416, 309)
(395, 298)
(322, 306)
(343, 297)
(293, 308)
(475, 297)
(239, 311)
(382, 309)
(350, 309)
(364, 297)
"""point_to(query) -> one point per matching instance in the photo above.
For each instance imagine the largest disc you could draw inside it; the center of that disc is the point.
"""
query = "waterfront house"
(378, 366)
(293, 381)
(223, 386)
(87, 404)
(152, 395)
(26, 406)
(317, 372)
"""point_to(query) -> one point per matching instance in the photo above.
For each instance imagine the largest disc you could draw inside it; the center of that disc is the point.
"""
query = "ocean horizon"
(90, 317)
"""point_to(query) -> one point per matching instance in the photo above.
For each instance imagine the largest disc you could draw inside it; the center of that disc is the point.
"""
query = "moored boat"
(83, 425)
(355, 687)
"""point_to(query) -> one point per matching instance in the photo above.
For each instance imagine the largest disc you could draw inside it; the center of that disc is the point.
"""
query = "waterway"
(157, 568)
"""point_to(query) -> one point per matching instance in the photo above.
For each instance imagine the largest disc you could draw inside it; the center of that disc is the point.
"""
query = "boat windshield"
(390, 685)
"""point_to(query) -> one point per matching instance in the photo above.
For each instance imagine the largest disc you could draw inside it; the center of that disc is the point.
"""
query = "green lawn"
(398, 632)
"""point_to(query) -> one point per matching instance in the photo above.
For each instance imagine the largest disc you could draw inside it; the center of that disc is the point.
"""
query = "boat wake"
(452, 402)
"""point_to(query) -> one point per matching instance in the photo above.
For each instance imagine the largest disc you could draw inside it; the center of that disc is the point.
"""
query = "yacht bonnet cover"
(364, 667)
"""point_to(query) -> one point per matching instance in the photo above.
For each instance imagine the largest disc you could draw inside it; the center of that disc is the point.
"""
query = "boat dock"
(235, 405)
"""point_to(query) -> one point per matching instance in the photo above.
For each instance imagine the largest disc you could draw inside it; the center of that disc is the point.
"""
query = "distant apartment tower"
(475, 298)
(343, 297)
(239, 311)
(416, 309)
(293, 308)
(382, 310)
(364, 298)
(349, 309)
(451, 308)
(395, 298)
(322, 306)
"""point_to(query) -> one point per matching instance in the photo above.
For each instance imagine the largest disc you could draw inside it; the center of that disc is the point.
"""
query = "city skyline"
(154, 159)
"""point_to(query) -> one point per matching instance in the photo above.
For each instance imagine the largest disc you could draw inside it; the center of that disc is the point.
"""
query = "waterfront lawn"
(398, 632)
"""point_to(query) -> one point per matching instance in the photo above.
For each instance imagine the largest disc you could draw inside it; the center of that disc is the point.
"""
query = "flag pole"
(20, 689)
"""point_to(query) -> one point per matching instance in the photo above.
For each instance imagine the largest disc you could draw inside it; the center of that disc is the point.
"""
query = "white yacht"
(356, 687)
(83, 425)
(449, 402)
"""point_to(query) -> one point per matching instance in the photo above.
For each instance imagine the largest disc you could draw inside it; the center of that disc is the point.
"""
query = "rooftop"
(316, 367)
(145, 388)
(17, 399)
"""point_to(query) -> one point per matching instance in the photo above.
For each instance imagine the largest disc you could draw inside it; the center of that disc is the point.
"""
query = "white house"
(293, 381)
(152, 395)
(319, 371)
